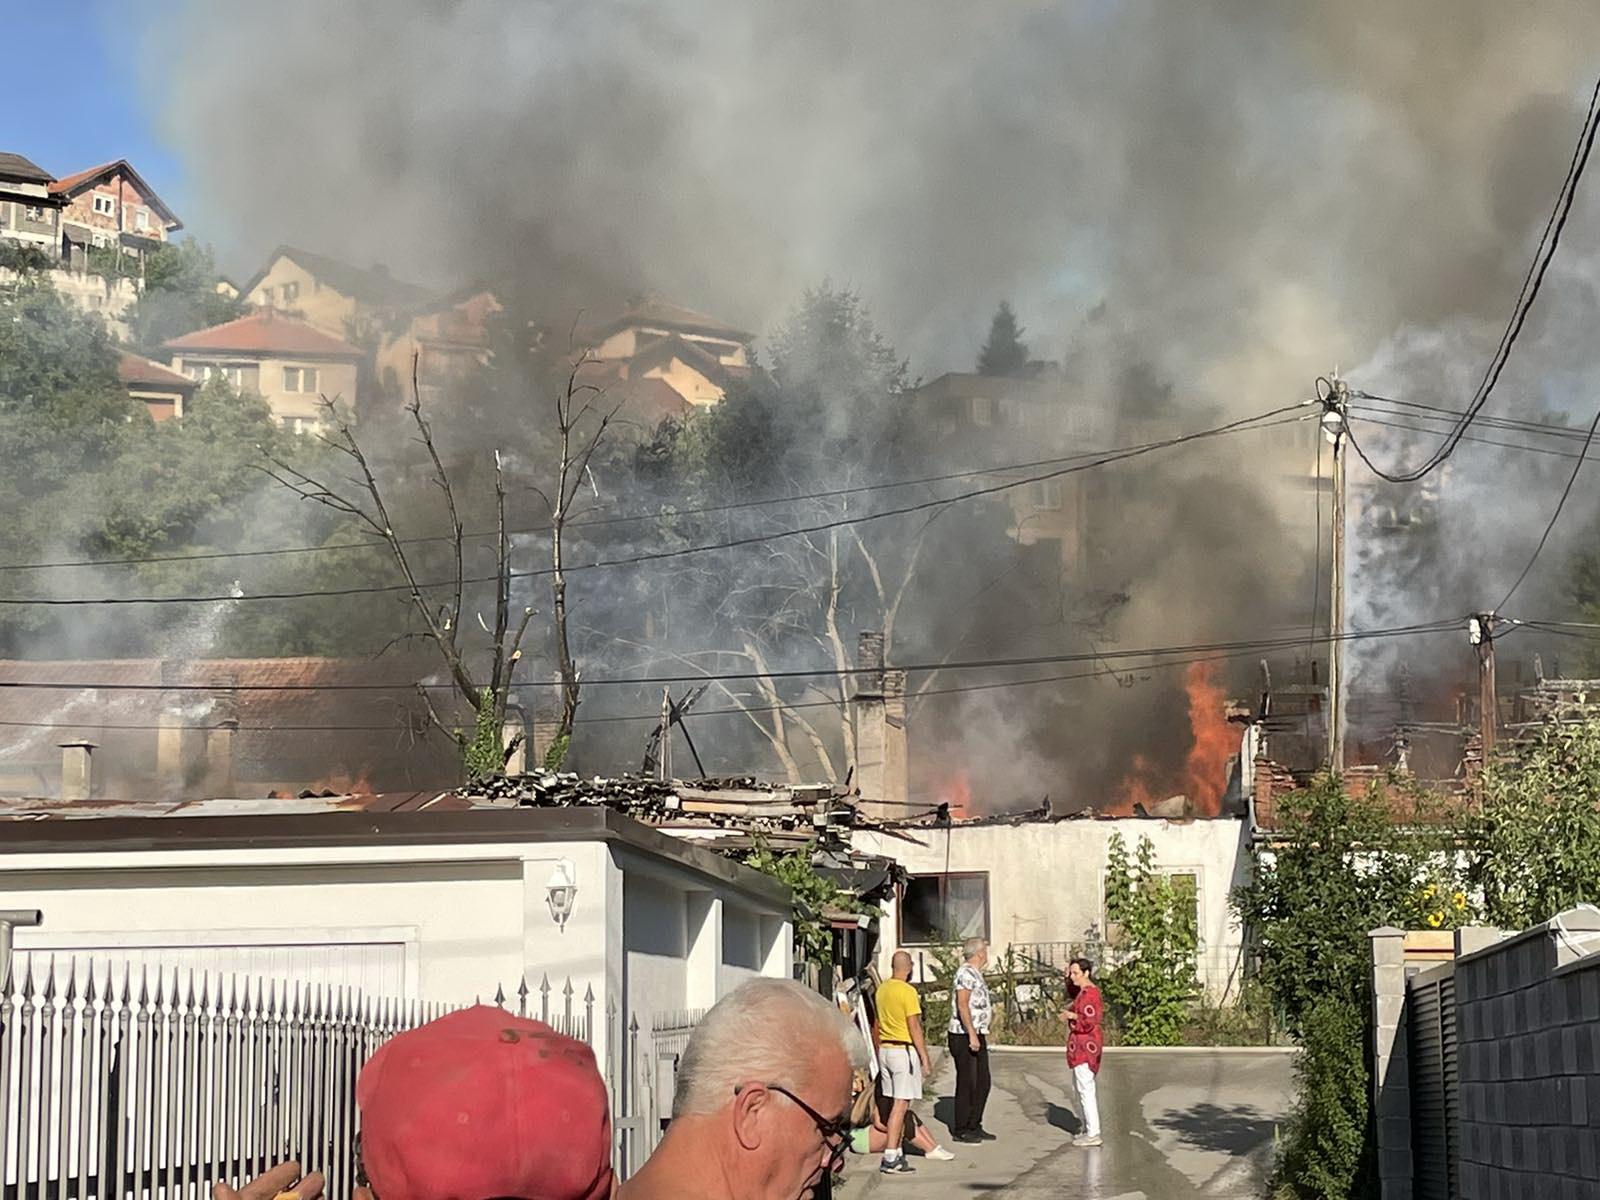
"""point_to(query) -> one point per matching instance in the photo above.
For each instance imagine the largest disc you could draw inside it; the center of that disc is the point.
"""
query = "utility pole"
(1480, 632)
(1334, 426)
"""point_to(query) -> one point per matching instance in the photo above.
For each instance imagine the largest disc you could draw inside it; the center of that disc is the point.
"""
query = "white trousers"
(1083, 1081)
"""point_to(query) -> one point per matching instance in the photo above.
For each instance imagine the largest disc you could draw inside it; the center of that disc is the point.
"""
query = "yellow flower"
(1435, 919)
(1461, 899)
(1427, 892)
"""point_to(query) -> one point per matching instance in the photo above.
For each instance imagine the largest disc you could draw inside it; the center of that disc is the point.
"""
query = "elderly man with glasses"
(763, 1106)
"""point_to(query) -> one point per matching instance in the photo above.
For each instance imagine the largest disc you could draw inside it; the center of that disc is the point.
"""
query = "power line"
(1433, 412)
(1482, 441)
(1532, 282)
(1555, 516)
(1260, 421)
(953, 689)
(617, 519)
(1254, 645)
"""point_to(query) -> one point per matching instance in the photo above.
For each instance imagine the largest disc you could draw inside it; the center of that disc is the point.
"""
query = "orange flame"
(958, 795)
(342, 783)
(1205, 770)
(1205, 767)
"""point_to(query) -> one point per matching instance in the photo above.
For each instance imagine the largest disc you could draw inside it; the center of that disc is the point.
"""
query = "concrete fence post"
(1391, 1079)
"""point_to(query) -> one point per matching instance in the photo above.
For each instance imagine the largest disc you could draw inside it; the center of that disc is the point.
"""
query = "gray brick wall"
(1528, 1015)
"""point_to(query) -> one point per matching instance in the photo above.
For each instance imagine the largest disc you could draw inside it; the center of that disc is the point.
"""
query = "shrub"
(1327, 1155)
(1151, 977)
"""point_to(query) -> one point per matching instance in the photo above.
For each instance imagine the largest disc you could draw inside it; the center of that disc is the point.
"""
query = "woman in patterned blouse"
(1084, 1043)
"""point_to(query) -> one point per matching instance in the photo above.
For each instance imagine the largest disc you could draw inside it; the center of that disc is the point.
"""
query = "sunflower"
(1435, 919)
(1460, 899)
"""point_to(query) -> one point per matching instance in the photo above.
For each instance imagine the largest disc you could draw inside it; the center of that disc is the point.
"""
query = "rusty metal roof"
(36, 808)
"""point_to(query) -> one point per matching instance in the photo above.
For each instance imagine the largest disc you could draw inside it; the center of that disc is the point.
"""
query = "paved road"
(1178, 1125)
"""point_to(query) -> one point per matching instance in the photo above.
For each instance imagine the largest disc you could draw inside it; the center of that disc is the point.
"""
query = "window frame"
(110, 204)
(944, 877)
(300, 374)
(290, 292)
(1191, 871)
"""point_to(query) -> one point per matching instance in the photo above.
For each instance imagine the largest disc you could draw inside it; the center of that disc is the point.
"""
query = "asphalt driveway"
(1178, 1125)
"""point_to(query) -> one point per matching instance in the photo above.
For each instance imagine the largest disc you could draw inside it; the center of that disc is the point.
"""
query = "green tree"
(814, 897)
(1151, 978)
(179, 295)
(1005, 352)
(1536, 844)
(1340, 865)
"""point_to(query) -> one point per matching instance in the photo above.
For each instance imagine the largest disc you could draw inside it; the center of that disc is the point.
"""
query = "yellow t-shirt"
(898, 1002)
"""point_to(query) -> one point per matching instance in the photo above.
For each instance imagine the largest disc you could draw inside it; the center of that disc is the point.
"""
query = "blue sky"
(82, 65)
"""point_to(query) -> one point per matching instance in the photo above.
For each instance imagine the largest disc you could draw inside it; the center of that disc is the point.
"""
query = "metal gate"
(1435, 1082)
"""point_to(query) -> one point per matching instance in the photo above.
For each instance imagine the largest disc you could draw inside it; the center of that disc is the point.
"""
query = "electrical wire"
(949, 690)
(1253, 645)
(617, 519)
(1556, 515)
(1260, 421)
(1532, 282)
(1482, 441)
(1433, 412)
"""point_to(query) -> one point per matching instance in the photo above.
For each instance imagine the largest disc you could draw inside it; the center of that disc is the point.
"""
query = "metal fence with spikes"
(133, 1084)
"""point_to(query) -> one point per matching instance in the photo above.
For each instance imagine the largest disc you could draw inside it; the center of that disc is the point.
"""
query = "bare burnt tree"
(582, 418)
(364, 500)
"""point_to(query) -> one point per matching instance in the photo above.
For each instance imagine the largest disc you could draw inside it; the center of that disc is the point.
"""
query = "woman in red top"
(1084, 1043)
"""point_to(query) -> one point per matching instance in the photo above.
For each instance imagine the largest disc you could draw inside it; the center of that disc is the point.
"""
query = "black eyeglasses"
(835, 1131)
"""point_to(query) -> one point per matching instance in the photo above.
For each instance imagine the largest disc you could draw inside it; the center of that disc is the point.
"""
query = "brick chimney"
(219, 778)
(77, 770)
(882, 767)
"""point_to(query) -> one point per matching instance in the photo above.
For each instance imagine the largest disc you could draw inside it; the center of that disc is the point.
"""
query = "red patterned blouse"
(1083, 1035)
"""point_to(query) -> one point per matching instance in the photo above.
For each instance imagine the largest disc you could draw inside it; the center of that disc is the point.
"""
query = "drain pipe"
(11, 918)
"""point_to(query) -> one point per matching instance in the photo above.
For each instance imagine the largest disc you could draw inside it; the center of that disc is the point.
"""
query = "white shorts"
(902, 1072)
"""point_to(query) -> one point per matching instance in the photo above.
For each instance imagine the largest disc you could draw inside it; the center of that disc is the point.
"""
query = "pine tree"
(1004, 353)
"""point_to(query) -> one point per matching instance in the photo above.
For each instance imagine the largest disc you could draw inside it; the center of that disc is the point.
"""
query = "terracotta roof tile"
(134, 370)
(266, 332)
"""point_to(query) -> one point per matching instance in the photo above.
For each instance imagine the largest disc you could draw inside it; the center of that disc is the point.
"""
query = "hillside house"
(999, 413)
(448, 337)
(654, 342)
(356, 304)
(160, 389)
(111, 206)
(29, 214)
(288, 363)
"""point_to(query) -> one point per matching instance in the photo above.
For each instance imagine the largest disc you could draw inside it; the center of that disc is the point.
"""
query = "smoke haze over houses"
(1208, 205)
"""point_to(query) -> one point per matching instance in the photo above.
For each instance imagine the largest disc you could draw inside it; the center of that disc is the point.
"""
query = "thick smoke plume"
(1209, 203)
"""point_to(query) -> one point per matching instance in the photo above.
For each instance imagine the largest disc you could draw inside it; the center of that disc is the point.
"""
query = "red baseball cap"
(482, 1105)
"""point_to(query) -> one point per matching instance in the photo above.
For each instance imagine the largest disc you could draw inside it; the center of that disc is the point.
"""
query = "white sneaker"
(940, 1154)
(1083, 1140)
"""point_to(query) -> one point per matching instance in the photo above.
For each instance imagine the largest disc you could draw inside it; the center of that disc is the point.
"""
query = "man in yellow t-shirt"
(902, 1055)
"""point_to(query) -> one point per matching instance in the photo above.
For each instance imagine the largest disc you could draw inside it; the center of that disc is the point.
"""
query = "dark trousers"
(972, 1082)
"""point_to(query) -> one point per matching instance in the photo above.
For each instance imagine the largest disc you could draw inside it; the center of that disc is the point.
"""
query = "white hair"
(972, 947)
(767, 1031)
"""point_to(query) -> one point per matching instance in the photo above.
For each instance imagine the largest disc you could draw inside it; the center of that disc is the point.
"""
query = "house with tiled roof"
(697, 356)
(290, 364)
(163, 391)
(111, 205)
(29, 214)
(350, 302)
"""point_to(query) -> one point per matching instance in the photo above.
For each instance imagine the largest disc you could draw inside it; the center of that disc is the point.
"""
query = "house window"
(266, 296)
(1046, 494)
(141, 219)
(301, 425)
(299, 379)
(982, 410)
(944, 908)
(34, 212)
(234, 375)
(1187, 886)
(291, 292)
(105, 206)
